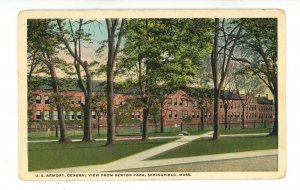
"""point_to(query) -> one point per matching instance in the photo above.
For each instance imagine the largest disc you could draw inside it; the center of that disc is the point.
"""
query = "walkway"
(139, 160)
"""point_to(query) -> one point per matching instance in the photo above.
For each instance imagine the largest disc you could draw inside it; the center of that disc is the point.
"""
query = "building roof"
(72, 85)
(42, 83)
(264, 100)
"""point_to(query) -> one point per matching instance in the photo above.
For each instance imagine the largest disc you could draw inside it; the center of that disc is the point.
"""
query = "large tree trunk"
(161, 118)
(243, 118)
(202, 119)
(98, 124)
(110, 108)
(62, 127)
(87, 128)
(225, 112)
(216, 135)
(145, 123)
(112, 54)
(275, 127)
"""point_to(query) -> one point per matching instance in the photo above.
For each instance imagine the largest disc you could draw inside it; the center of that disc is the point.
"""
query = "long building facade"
(177, 107)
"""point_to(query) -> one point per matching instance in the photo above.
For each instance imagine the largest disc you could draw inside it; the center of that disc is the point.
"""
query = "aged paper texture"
(154, 58)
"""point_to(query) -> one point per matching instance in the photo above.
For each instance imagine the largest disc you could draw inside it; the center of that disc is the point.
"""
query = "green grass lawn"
(77, 134)
(224, 145)
(55, 155)
(245, 131)
(153, 132)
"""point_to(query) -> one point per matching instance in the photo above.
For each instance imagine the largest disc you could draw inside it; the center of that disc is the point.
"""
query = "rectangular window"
(170, 101)
(120, 101)
(180, 114)
(193, 114)
(93, 115)
(198, 114)
(38, 99)
(221, 105)
(195, 104)
(65, 115)
(38, 115)
(175, 114)
(186, 114)
(79, 100)
(72, 101)
(47, 102)
(55, 115)
(209, 115)
(132, 115)
(138, 114)
(46, 115)
(175, 102)
(79, 116)
(180, 102)
(170, 114)
(186, 103)
(71, 115)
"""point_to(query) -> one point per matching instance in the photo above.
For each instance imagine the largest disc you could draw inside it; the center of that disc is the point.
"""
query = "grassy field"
(245, 131)
(153, 132)
(224, 145)
(55, 155)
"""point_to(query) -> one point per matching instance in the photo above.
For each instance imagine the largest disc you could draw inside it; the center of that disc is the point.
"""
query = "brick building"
(178, 107)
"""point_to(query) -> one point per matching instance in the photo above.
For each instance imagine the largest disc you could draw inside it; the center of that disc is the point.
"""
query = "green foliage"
(162, 55)
(259, 50)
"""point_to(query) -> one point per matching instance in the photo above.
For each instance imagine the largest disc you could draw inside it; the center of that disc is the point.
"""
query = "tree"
(201, 92)
(162, 53)
(113, 49)
(248, 85)
(259, 45)
(228, 94)
(68, 34)
(43, 48)
(225, 37)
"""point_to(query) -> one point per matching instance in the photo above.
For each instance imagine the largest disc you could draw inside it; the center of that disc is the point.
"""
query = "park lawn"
(52, 155)
(77, 134)
(245, 131)
(224, 145)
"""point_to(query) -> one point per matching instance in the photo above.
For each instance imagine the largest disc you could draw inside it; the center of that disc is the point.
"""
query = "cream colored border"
(213, 13)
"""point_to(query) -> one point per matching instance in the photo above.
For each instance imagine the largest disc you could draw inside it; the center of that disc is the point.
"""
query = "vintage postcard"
(152, 94)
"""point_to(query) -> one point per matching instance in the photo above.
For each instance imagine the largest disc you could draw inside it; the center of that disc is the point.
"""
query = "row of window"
(70, 116)
(47, 100)
(233, 105)
(181, 101)
(265, 108)
(135, 115)
(185, 114)
(248, 115)
(251, 107)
